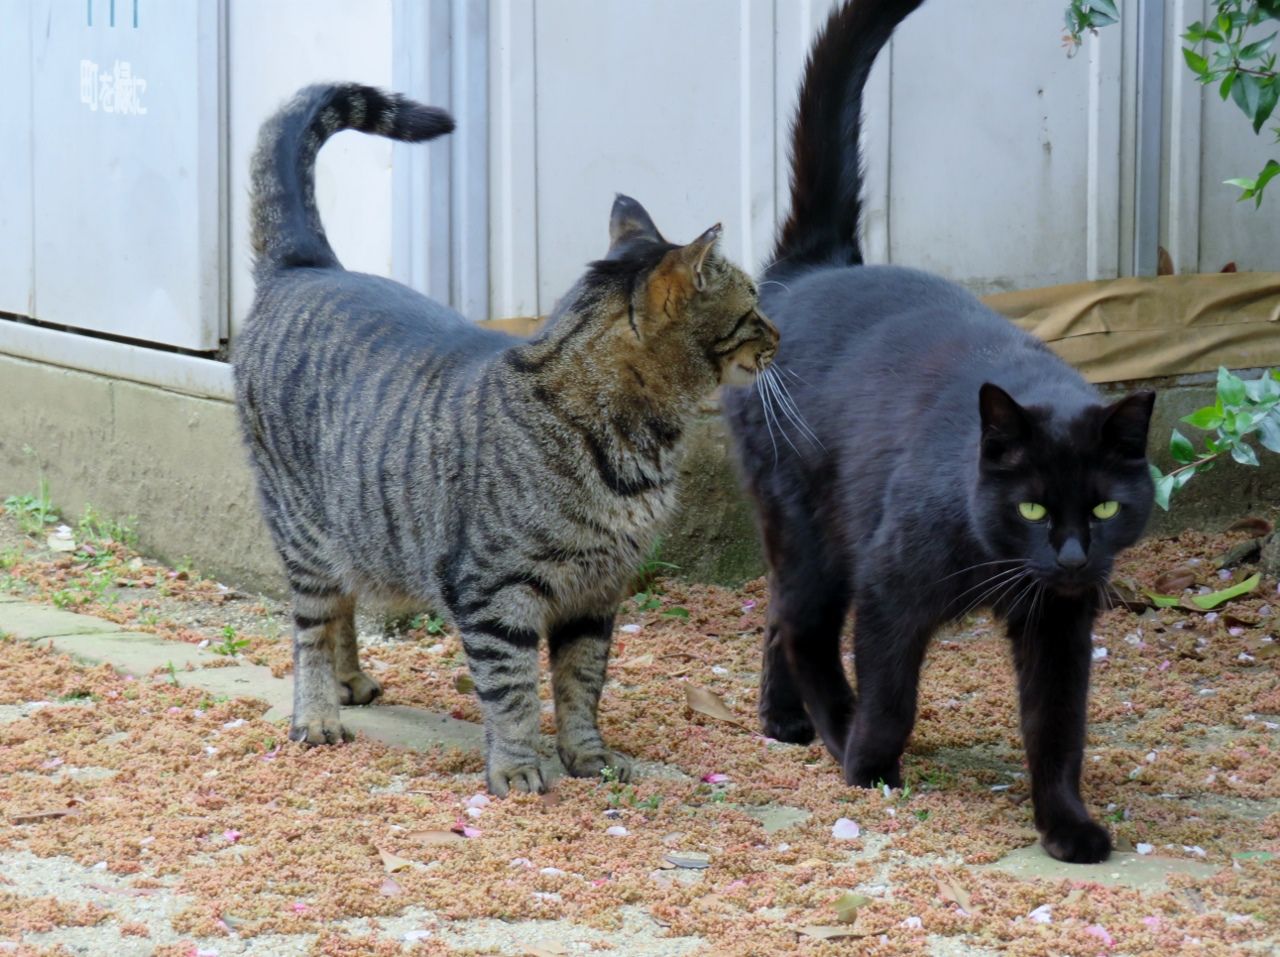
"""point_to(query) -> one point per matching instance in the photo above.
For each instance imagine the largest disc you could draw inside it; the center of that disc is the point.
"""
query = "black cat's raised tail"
(826, 162)
(283, 214)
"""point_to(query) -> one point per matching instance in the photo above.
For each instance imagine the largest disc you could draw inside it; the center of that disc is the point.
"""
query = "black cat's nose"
(1071, 555)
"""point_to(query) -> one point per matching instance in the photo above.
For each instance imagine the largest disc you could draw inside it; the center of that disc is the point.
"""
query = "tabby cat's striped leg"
(354, 686)
(579, 659)
(504, 666)
(317, 620)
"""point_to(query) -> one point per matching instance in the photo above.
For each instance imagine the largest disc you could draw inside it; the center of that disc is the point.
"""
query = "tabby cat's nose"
(1071, 555)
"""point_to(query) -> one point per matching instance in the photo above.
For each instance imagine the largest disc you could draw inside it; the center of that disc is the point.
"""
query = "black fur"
(931, 419)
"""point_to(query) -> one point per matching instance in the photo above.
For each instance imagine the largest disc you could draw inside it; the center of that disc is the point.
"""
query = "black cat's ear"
(629, 222)
(695, 255)
(1125, 423)
(1005, 424)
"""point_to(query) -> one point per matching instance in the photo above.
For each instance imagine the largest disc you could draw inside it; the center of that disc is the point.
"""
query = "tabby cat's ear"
(694, 256)
(1125, 423)
(628, 222)
(1005, 424)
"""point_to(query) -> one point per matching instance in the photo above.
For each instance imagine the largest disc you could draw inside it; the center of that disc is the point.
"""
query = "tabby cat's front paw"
(590, 762)
(319, 731)
(521, 778)
(1077, 842)
(357, 688)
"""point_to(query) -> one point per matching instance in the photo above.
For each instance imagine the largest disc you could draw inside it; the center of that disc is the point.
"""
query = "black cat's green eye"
(1105, 510)
(1032, 511)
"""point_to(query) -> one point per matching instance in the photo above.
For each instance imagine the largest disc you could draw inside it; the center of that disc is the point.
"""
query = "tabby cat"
(402, 451)
(953, 462)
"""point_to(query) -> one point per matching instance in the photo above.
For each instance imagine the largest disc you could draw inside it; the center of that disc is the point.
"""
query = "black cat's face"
(1063, 497)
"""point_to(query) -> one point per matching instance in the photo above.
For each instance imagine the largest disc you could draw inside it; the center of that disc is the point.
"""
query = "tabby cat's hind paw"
(793, 727)
(357, 688)
(1077, 842)
(320, 731)
(591, 762)
(523, 779)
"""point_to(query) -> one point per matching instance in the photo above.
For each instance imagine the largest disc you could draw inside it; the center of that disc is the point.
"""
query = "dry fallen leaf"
(694, 860)
(431, 838)
(828, 932)
(955, 894)
(464, 684)
(709, 704)
(1252, 524)
(549, 949)
(36, 816)
(1175, 580)
(847, 906)
(391, 863)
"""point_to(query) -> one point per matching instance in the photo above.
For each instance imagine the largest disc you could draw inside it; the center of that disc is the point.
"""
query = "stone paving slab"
(1142, 871)
(31, 622)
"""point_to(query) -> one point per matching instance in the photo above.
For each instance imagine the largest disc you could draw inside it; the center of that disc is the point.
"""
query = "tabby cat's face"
(1063, 497)
(688, 317)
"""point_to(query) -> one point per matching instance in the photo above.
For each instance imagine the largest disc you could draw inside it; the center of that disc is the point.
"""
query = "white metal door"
(127, 168)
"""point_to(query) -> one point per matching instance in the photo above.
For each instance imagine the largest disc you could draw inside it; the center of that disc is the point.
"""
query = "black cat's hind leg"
(803, 686)
(888, 650)
(1052, 654)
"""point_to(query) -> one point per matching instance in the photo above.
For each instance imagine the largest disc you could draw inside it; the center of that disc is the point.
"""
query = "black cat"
(953, 462)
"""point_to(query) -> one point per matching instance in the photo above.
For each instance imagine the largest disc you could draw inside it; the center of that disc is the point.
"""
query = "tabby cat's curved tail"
(826, 164)
(284, 219)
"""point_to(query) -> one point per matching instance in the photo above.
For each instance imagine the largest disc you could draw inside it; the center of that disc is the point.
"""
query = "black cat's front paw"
(864, 774)
(793, 727)
(1077, 842)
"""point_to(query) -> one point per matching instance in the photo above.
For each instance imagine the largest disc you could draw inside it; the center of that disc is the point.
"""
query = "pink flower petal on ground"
(390, 888)
(846, 830)
(715, 778)
(1151, 921)
(617, 831)
(1042, 914)
(1164, 665)
(478, 800)
(469, 831)
(231, 836)
(298, 907)
(749, 604)
(1100, 932)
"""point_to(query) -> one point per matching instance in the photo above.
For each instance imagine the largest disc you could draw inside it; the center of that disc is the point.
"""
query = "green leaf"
(1162, 601)
(1207, 418)
(1214, 599)
(1244, 454)
(1255, 49)
(676, 612)
(1164, 488)
(847, 906)
(1269, 431)
(1230, 388)
(1228, 81)
(1269, 93)
(1107, 7)
(1181, 449)
(1198, 64)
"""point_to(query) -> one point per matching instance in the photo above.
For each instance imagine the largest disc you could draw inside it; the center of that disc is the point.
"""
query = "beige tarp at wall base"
(1137, 328)
(1147, 328)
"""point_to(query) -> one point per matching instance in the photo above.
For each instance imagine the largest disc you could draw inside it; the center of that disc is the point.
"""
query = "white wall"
(274, 49)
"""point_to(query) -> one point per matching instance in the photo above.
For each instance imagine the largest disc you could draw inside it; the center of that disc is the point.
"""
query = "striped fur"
(403, 452)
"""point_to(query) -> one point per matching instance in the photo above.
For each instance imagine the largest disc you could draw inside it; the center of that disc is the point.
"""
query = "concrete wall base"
(175, 463)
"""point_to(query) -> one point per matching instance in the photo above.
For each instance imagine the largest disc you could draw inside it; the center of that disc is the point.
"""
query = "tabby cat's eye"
(1106, 510)
(1032, 511)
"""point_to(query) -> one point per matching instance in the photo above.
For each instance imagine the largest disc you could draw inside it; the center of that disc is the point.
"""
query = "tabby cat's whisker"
(771, 384)
(778, 410)
(764, 402)
(788, 403)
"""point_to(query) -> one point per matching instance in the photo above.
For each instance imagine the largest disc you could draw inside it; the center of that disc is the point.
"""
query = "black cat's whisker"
(773, 282)
(1029, 590)
(998, 561)
(1001, 579)
(788, 408)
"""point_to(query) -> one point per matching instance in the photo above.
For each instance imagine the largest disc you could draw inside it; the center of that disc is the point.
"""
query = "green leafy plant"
(1223, 51)
(96, 527)
(648, 577)
(1243, 411)
(33, 512)
(230, 644)
(646, 601)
